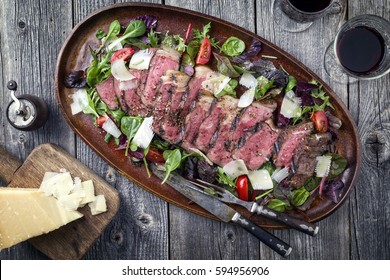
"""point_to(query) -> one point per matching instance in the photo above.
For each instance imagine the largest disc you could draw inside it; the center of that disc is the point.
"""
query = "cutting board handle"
(8, 165)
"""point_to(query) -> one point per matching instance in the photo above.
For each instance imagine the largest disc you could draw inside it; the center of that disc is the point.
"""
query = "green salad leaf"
(129, 127)
(300, 196)
(233, 46)
(135, 29)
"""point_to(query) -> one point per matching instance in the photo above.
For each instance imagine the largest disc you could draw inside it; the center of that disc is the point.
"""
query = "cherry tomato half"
(320, 121)
(100, 120)
(154, 156)
(204, 52)
(242, 187)
(124, 54)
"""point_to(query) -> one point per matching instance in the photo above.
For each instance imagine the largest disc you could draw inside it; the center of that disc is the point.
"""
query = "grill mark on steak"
(194, 85)
(251, 116)
(220, 152)
(165, 59)
(289, 140)
(202, 109)
(163, 100)
(173, 121)
(258, 147)
(208, 128)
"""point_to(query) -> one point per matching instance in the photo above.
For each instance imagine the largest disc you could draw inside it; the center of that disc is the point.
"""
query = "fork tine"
(205, 187)
(211, 185)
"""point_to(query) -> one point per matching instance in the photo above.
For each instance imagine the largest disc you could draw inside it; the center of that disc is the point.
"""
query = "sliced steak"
(201, 73)
(220, 152)
(258, 147)
(289, 140)
(195, 118)
(208, 128)
(164, 59)
(251, 116)
(163, 100)
(172, 123)
(106, 92)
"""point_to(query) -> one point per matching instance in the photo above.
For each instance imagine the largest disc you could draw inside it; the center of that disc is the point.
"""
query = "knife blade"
(222, 211)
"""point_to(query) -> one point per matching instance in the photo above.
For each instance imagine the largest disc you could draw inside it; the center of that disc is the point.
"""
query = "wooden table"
(32, 33)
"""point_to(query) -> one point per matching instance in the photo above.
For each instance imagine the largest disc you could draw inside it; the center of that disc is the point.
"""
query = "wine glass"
(298, 15)
(360, 50)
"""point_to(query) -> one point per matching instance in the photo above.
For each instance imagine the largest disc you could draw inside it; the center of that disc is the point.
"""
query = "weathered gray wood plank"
(31, 34)
(370, 103)
(140, 230)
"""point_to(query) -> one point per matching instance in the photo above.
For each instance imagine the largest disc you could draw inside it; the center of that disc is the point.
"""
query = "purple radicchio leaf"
(145, 39)
(250, 53)
(282, 121)
(303, 91)
(305, 87)
(150, 21)
(279, 76)
(334, 190)
(260, 66)
(76, 79)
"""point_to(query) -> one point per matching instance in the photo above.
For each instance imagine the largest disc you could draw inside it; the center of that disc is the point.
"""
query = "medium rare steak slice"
(163, 101)
(164, 59)
(258, 147)
(251, 116)
(289, 141)
(194, 120)
(106, 92)
(201, 73)
(171, 126)
(220, 152)
(208, 128)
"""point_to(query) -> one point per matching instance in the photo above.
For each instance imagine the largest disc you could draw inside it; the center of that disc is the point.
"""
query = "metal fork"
(226, 196)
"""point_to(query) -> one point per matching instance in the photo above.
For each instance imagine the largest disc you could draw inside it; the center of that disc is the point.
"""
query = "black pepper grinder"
(27, 112)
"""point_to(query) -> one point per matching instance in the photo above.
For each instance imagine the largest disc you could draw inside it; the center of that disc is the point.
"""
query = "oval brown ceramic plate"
(74, 55)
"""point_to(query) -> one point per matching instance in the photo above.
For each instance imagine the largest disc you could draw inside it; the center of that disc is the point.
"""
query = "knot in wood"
(144, 220)
(22, 24)
(230, 236)
(21, 138)
(117, 237)
(110, 176)
(377, 146)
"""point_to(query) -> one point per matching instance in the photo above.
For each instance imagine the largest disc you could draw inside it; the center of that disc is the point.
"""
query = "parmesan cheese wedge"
(26, 213)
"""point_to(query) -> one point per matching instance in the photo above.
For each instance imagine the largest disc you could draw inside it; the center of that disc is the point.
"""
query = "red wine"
(310, 6)
(361, 49)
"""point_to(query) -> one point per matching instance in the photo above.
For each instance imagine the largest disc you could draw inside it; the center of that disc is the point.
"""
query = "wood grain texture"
(73, 240)
(370, 103)
(149, 228)
(31, 34)
(8, 166)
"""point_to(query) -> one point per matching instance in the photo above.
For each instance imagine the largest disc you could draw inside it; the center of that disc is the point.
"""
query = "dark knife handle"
(279, 246)
(292, 222)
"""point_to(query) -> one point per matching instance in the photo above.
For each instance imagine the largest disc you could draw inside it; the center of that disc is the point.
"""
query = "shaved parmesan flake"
(291, 105)
(260, 179)
(235, 168)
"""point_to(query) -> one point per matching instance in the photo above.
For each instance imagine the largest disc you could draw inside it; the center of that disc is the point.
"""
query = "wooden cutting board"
(73, 240)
